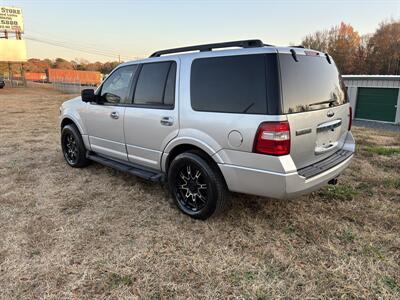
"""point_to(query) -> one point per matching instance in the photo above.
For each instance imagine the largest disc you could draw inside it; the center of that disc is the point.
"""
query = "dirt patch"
(99, 233)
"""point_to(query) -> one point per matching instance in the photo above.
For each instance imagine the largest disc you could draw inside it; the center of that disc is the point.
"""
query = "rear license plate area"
(328, 135)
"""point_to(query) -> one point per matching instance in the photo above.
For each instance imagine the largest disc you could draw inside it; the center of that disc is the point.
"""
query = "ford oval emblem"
(330, 113)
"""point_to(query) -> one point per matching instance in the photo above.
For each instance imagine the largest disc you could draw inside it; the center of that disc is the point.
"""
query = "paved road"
(377, 125)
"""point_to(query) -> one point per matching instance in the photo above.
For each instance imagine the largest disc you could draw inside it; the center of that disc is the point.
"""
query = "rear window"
(310, 83)
(230, 84)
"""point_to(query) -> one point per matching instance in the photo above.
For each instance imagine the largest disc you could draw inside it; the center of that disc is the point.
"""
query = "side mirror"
(88, 95)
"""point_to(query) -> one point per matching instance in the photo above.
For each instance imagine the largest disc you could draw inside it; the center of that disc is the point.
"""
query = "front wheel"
(72, 146)
(197, 187)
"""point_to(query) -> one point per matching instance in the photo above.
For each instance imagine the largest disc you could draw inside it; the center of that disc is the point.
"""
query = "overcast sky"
(138, 28)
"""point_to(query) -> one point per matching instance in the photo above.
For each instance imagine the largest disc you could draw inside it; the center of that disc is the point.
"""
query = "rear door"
(152, 119)
(316, 104)
(105, 120)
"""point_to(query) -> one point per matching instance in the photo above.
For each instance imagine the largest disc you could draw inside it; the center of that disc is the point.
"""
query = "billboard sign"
(12, 50)
(11, 19)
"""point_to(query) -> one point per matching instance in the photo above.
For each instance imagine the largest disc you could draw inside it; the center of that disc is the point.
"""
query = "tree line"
(37, 65)
(376, 53)
(40, 65)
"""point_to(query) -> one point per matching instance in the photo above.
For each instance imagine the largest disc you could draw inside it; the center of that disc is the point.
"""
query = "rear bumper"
(281, 185)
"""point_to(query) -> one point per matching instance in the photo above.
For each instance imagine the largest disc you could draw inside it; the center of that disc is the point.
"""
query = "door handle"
(167, 121)
(114, 115)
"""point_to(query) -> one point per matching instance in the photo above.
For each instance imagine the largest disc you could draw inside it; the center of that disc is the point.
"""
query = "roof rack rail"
(209, 47)
(298, 46)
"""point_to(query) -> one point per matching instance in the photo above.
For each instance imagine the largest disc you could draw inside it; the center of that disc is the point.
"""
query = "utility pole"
(119, 58)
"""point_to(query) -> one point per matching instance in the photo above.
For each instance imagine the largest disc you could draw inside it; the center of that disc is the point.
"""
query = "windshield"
(311, 83)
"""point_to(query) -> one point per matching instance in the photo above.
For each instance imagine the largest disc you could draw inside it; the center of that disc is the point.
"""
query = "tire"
(72, 147)
(198, 188)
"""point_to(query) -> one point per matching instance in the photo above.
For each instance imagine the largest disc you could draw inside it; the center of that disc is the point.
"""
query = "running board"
(139, 171)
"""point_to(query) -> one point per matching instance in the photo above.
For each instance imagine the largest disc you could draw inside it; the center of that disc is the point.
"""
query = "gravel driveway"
(377, 125)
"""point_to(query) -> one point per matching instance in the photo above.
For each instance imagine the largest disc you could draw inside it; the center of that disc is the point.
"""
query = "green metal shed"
(374, 97)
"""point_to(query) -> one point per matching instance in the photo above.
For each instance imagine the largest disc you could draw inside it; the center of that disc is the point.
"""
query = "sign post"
(12, 50)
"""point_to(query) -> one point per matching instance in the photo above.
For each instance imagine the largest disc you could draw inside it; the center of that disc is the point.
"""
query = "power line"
(81, 49)
(48, 37)
(85, 49)
(79, 45)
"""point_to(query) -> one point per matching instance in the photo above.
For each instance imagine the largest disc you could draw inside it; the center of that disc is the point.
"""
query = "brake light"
(350, 117)
(311, 53)
(272, 138)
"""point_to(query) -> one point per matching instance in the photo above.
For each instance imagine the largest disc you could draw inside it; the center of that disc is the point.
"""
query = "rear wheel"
(72, 146)
(197, 187)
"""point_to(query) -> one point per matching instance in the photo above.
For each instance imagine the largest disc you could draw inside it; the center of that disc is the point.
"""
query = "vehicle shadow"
(241, 207)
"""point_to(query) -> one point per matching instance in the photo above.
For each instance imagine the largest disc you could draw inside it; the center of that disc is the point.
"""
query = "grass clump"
(289, 230)
(117, 280)
(386, 151)
(392, 183)
(365, 188)
(347, 237)
(249, 276)
(339, 192)
(373, 252)
(390, 282)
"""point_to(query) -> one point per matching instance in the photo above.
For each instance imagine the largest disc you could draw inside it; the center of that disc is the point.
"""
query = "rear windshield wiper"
(248, 107)
(322, 102)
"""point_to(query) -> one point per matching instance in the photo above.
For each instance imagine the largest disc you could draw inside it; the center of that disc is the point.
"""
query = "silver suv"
(258, 119)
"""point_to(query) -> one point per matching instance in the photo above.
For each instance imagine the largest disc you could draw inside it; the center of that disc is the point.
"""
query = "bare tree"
(342, 42)
(384, 47)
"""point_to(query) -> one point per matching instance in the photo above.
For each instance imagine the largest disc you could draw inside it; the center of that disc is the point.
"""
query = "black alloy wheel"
(196, 185)
(191, 188)
(72, 146)
(71, 150)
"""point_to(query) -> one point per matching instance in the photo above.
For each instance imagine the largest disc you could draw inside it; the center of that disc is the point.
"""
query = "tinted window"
(234, 84)
(308, 83)
(156, 84)
(169, 96)
(116, 87)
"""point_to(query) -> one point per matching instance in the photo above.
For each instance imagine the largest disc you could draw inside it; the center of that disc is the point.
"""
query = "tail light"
(272, 138)
(350, 117)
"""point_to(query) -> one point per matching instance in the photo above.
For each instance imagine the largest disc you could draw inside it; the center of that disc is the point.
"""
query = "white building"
(374, 97)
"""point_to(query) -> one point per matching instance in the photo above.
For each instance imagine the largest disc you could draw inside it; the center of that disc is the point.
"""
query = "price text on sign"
(11, 19)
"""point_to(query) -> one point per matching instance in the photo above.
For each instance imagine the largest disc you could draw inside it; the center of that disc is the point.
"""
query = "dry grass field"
(97, 233)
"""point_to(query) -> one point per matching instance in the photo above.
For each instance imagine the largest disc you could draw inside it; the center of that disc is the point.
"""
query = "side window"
(116, 87)
(156, 85)
(232, 84)
(169, 95)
